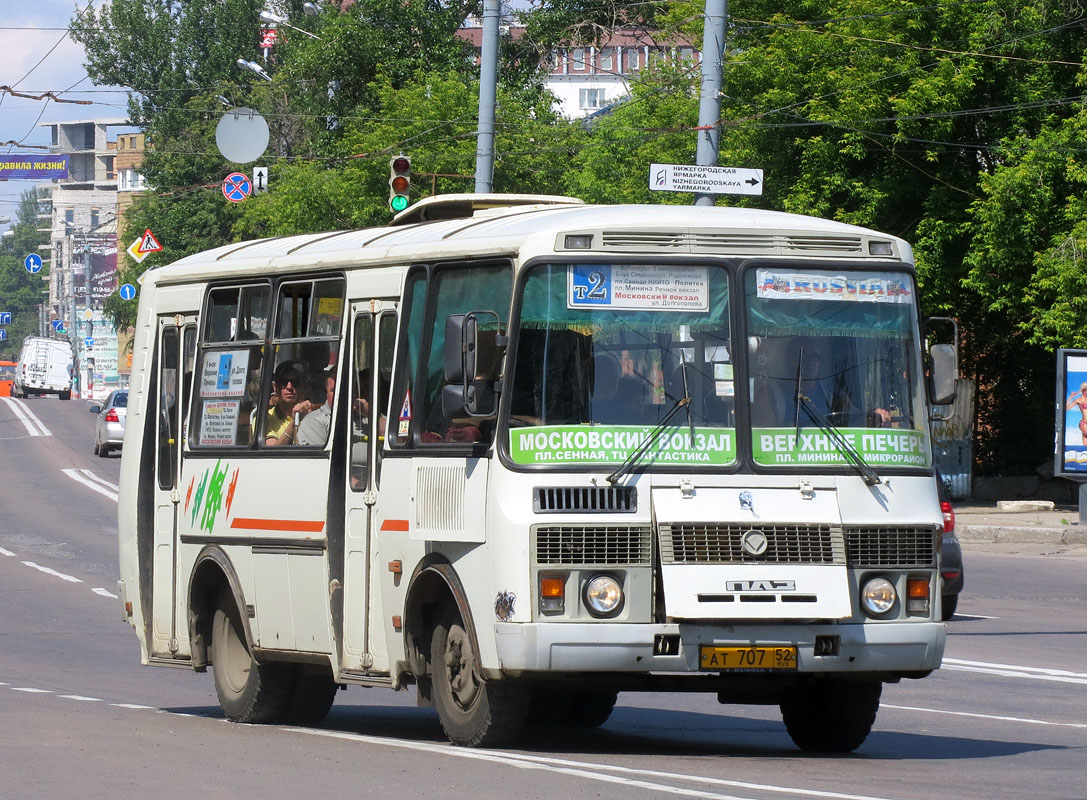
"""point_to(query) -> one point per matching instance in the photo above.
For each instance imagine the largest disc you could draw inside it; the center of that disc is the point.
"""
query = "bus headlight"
(878, 597)
(603, 596)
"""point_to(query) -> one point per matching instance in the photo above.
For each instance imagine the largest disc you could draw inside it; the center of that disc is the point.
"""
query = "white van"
(45, 367)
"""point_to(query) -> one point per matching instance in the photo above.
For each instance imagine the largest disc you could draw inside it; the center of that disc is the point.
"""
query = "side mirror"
(473, 354)
(943, 362)
(95, 409)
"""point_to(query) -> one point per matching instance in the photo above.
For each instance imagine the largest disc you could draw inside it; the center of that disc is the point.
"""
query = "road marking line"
(972, 616)
(4, 552)
(583, 769)
(1041, 670)
(53, 572)
(104, 592)
(100, 480)
(1014, 671)
(81, 697)
(75, 475)
(30, 690)
(1027, 720)
(33, 425)
(132, 705)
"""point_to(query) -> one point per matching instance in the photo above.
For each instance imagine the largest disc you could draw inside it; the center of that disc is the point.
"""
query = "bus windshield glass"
(605, 351)
(834, 352)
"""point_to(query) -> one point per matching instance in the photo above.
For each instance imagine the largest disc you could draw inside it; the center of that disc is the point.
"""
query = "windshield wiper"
(855, 459)
(634, 457)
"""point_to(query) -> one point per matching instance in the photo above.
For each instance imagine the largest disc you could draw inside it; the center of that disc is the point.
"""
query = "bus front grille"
(601, 499)
(881, 546)
(701, 543)
(611, 545)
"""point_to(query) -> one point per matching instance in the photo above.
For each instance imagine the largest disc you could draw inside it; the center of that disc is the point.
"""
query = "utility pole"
(709, 106)
(488, 93)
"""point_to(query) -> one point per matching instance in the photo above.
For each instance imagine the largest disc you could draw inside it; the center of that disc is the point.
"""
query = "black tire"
(96, 446)
(590, 708)
(65, 395)
(833, 715)
(312, 696)
(248, 691)
(472, 712)
(948, 604)
(549, 706)
(103, 450)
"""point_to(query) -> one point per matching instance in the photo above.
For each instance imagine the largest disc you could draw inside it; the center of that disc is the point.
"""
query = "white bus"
(524, 458)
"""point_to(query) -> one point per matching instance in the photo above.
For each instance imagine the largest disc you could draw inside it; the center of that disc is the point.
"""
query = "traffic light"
(399, 182)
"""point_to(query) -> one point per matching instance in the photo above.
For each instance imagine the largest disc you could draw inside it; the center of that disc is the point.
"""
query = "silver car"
(109, 428)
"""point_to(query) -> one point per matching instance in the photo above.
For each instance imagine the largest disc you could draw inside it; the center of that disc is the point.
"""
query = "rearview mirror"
(472, 354)
(943, 359)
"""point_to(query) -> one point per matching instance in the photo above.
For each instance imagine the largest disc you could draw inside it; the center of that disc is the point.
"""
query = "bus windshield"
(837, 350)
(605, 351)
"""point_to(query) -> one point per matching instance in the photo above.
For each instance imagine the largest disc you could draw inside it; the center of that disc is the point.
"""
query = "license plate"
(748, 659)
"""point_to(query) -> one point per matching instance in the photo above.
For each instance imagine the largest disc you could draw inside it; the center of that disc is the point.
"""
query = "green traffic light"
(398, 202)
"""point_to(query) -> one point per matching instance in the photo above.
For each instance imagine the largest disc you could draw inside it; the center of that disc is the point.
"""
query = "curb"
(1008, 533)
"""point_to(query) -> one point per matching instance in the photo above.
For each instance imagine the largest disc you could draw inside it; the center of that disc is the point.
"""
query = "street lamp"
(255, 67)
(268, 16)
(310, 9)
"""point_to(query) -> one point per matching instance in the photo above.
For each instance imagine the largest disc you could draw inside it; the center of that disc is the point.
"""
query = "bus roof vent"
(730, 242)
(599, 499)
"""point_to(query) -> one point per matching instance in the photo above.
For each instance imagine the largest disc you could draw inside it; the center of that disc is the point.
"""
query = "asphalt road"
(1005, 718)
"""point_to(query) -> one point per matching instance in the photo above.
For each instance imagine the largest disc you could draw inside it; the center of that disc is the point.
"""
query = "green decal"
(879, 447)
(612, 444)
(199, 498)
(215, 498)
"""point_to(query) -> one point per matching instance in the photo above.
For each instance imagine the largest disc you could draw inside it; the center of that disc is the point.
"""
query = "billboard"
(51, 167)
(99, 251)
(1070, 450)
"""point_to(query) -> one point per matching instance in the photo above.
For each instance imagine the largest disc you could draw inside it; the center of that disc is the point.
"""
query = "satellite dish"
(241, 135)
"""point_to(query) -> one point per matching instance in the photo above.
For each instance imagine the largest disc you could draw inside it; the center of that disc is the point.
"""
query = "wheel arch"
(433, 584)
(212, 571)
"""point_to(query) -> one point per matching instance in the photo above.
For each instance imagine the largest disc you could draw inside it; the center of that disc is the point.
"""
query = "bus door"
(173, 381)
(373, 336)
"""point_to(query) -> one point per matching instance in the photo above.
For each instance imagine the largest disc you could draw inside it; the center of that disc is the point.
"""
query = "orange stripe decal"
(294, 525)
(394, 525)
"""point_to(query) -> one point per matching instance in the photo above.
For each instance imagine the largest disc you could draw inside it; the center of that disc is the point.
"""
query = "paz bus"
(557, 452)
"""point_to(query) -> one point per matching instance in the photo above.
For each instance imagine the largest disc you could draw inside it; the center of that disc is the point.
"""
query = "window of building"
(591, 99)
(632, 59)
(686, 55)
(577, 60)
(607, 59)
(94, 218)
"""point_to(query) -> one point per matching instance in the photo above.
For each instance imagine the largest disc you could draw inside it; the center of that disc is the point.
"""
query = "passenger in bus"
(313, 432)
(283, 419)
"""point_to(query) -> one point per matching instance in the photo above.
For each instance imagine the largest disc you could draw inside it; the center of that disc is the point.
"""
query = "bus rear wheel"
(832, 715)
(473, 712)
(248, 691)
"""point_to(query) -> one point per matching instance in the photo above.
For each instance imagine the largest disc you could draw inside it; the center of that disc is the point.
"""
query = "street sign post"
(260, 180)
(704, 180)
(127, 291)
(33, 263)
(5, 317)
(58, 324)
(88, 341)
(3, 334)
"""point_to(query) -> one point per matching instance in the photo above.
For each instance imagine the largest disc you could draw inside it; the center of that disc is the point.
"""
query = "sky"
(33, 31)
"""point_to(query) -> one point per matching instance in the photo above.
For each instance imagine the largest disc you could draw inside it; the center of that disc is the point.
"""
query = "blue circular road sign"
(33, 263)
(236, 187)
(127, 291)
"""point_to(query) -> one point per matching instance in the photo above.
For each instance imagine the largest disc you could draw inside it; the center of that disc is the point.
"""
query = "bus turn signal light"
(552, 594)
(917, 592)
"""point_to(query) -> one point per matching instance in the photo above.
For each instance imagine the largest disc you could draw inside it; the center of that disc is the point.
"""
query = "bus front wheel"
(831, 716)
(473, 712)
(248, 691)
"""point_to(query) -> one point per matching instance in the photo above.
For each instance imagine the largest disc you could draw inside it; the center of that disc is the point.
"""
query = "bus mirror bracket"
(943, 358)
(473, 355)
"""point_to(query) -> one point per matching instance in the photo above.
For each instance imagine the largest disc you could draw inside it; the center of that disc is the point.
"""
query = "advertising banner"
(1070, 453)
(50, 167)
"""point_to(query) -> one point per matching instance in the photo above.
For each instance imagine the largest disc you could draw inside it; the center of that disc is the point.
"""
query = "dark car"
(951, 572)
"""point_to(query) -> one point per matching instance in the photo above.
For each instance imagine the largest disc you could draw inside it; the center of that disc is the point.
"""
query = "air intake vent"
(730, 242)
(610, 545)
(697, 543)
(602, 499)
(891, 547)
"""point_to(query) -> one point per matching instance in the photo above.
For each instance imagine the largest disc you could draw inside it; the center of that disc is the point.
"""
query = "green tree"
(20, 291)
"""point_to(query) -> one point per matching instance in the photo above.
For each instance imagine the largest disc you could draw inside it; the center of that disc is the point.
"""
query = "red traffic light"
(400, 164)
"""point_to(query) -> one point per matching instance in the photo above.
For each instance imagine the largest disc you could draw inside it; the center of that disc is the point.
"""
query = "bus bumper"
(890, 648)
